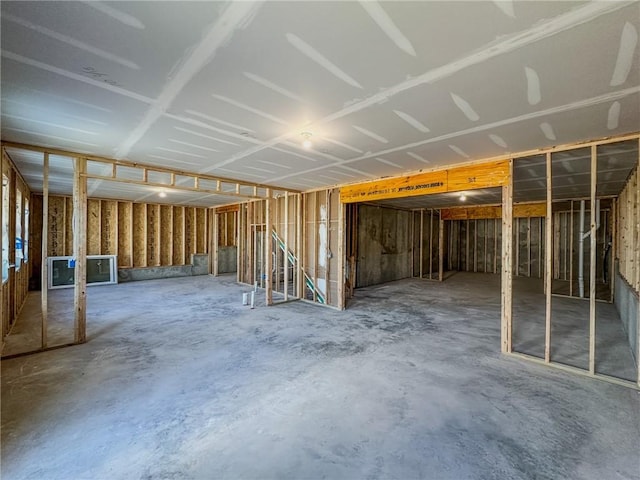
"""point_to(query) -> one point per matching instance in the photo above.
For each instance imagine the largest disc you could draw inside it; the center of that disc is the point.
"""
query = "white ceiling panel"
(383, 88)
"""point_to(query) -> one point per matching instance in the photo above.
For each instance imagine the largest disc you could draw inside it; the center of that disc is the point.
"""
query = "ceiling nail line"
(418, 157)
(179, 152)
(250, 109)
(371, 134)
(75, 76)
(465, 107)
(172, 159)
(199, 123)
(71, 41)
(68, 115)
(116, 14)
(498, 140)
(321, 60)
(506, 6)
(195, 113)
(547, 129)
(217, 35)
(64, 99)
(624, 60)
(534, 94)
(275, 164)
(613, 116)
(388, 162)
(529, 116)
(387, 25)
(38, 134)
(340, 144)
(50, 124)
(417, 124)
(193, 145)
(198, 134)
(272, 86)
(459, 151)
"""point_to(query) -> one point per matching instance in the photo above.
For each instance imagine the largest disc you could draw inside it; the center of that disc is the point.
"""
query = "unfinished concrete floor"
(179, 380)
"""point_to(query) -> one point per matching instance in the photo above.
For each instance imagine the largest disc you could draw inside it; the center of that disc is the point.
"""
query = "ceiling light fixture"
(306, 143)
(463, 197)
(162, 194)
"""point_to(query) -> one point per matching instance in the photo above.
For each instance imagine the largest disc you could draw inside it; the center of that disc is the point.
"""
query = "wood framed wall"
(140, 234)
(16, 286)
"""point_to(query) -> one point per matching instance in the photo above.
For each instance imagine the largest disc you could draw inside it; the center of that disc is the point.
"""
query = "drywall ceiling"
(384, 88)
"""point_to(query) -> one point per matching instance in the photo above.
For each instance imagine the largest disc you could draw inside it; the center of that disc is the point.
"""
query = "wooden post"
(592, 266)
(286, 246)
(507, 268)
(300, 228)
(241, 244)
(441, 249)
(547, 264)
(613, 249)
(430, 246)
(571, 253)
(421, 240)
(44, 279)
(80, 248)
(341, 254)
(268, 249)
(215, 244)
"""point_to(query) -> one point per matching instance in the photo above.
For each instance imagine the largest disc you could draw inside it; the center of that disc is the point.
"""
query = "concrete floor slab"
(179, 380)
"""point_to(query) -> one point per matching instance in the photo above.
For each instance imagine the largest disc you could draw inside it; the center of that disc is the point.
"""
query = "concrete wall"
(199, 266)
(384, 245)
(227, 259)
(626, 301)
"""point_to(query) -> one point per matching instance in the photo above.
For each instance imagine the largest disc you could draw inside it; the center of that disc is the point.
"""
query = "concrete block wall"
(199, 266)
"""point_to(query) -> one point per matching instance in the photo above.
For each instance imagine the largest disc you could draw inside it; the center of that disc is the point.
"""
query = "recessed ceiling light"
(162, 194)
(463, 197)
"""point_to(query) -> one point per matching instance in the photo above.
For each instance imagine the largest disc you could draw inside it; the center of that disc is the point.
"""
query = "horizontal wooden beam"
(141, 166)
(173, 187)
(522, 210)
(228, 208)
(469, 177)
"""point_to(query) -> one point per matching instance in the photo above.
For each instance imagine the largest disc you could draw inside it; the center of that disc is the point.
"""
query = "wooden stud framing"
(341, 255)
(268, 249)
(44, 278)
(215, 244)
(571, 252)
(421, 243)
(300, 231)
(507, 268)
(80, 249)
(592, 266)
(286, 246)
(441, 250)
(430, 246)
(548, 263)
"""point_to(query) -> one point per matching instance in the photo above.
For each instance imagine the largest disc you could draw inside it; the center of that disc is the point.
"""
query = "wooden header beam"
(470, 177)
(523, 210)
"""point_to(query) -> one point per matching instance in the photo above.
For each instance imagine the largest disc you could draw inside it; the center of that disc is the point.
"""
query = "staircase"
(307, 280)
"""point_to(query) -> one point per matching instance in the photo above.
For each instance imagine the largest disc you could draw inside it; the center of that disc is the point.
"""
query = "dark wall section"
(626, 301)
(384, 245)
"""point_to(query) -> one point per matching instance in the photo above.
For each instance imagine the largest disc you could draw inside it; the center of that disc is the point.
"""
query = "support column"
(507, 270)
(341, 254)
(44, 279)
(592, 265)
(80, 248)
(441, 248)
(215, 243)
(548, 250)
(268, 249)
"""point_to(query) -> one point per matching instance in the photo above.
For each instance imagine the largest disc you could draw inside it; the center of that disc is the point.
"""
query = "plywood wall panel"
(139, 235)
(109, 228)
(94, 227)
(125, 234)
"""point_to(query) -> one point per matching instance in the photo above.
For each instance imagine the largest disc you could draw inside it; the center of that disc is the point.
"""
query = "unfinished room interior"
(308, 239)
